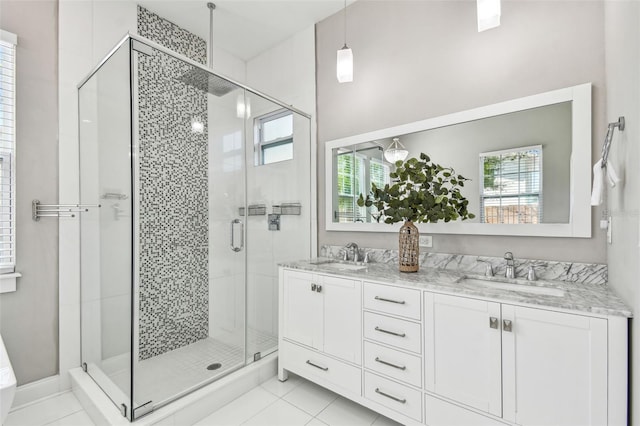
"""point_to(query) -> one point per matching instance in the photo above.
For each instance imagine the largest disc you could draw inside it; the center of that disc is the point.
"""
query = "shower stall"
(204, 185)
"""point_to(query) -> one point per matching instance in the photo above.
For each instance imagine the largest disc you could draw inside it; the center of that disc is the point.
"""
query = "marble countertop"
(597, 299)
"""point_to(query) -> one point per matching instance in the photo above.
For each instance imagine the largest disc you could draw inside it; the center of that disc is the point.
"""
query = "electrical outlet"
(426, 241)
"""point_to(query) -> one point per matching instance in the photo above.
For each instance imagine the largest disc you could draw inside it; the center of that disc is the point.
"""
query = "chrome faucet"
(356, 253)
(510, 271)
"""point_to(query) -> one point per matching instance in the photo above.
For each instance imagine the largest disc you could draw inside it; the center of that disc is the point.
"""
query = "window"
(356, 172)
(275, 137)
(511, 185)
(8, 43)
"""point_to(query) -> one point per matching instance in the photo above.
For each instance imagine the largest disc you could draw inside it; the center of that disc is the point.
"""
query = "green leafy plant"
(421, 191)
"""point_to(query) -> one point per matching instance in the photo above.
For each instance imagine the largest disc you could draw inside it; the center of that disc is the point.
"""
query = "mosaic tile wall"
(174, 234)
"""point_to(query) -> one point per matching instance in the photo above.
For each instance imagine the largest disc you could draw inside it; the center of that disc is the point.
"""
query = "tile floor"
(295, 402)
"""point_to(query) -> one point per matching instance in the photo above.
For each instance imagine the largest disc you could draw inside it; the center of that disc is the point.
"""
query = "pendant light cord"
(345, 24)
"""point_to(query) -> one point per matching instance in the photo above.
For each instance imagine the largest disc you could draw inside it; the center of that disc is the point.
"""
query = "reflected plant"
(420, 191)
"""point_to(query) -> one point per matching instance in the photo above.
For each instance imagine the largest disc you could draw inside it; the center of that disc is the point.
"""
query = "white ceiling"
(246, 28)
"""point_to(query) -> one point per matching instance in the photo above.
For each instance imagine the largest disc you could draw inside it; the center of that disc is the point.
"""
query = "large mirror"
(528, 161)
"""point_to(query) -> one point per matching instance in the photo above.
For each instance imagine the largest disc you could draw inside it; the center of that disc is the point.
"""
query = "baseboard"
(34, 391)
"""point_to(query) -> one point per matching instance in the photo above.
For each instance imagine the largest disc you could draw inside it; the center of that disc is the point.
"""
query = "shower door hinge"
(142, 410)
(84, 367)
(257, 356)
(123, 410)
(141, 47)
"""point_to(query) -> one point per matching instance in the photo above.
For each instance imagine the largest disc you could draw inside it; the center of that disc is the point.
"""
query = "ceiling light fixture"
(344, 58)
(488, 14)
(395, 152)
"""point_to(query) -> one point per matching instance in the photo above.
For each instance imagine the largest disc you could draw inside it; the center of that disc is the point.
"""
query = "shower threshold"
(188, 409)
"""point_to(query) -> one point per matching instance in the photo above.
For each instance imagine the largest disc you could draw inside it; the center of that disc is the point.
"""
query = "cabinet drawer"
(313, 365)
(393, 331)
(392, 300)
(393, 395)
(442, 413)
(393, 363)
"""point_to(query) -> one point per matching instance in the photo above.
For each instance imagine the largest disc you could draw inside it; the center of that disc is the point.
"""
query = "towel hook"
(609, 137)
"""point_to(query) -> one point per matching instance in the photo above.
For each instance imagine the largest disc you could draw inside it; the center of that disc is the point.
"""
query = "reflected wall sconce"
(395, 152)
(344, 58)
(488, 14)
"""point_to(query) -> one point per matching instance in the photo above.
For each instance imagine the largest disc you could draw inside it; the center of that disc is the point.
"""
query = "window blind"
(8, 44)
(511, 185)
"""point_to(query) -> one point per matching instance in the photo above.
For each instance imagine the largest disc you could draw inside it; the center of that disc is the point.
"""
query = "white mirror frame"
(579, 225)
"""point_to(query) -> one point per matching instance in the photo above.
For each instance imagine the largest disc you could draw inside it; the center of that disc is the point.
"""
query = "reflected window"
(511, 185)
(356, 172)
(275, 137)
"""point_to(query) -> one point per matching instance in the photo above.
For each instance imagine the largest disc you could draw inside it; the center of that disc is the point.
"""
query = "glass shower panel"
(189, 316)
(283, 233)
(105, 233)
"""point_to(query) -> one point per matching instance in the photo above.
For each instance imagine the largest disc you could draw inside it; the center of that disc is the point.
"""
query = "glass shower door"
(105, 233)
(278, 161)
(189, 318)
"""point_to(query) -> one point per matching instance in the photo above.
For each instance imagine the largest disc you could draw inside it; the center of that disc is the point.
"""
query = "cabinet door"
(342, 318)
(462, 351)
(302, 309)
(554, 368)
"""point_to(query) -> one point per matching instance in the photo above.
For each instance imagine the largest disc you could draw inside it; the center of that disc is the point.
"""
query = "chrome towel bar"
(39, 210)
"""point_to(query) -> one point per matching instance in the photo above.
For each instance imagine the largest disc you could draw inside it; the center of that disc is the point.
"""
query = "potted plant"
(420, 191)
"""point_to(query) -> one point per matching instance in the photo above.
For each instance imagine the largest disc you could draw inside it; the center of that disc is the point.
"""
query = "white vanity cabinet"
(463, 351)
(321, 327)
(527, 365)
(425, 356)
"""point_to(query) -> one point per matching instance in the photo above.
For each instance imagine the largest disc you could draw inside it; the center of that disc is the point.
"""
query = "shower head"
(207, 82)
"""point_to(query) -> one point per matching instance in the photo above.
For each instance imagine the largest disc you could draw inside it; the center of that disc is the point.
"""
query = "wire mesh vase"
(409, 248)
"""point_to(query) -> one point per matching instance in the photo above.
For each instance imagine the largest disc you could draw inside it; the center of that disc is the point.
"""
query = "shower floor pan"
(173, 374)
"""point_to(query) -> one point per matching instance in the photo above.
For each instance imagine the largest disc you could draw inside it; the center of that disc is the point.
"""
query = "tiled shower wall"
(173, 194)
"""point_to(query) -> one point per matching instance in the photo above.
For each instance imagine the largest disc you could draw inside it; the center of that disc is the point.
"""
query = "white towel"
(598, 186)
(597, 189)
(612, 175)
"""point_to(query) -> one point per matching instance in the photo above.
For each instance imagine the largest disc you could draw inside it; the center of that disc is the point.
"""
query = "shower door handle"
(233, 240)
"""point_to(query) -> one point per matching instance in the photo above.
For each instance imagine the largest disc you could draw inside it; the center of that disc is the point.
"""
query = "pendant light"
(488, 14)
(395, 152)
(344, 58)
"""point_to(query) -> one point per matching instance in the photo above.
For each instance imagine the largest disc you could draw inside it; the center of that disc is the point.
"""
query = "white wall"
(622, 42)
(415, 60)
(29, 316)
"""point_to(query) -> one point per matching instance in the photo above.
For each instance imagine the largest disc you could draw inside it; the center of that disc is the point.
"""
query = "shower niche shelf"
(254, 210)
(287, 209)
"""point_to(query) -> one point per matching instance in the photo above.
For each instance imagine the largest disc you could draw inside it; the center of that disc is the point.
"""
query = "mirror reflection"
(518, 163)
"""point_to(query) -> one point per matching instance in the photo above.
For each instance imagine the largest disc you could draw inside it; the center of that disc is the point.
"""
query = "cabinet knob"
(507, 325)
(313, 287)
(493, 322)
(319, 288)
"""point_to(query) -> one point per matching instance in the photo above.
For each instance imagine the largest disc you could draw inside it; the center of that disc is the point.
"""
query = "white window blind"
(356, 172)
(8, 42)
(511, 185)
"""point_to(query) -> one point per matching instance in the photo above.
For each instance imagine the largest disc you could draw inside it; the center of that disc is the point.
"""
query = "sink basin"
(524, 288)
(344, 266)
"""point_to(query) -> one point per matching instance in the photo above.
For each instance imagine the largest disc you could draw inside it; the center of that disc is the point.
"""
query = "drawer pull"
(403, 401)
(382, 299)
(317, 366)
(399, 367)
(382, 330)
